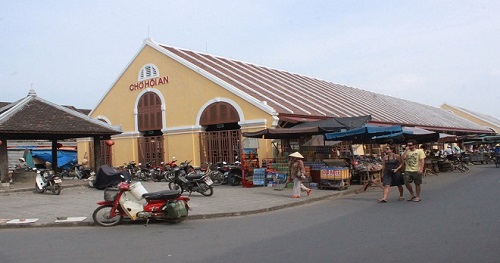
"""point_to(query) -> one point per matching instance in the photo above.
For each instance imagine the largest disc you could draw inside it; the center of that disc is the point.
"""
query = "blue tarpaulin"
(418, 134)
(65, 159)
(363, 134)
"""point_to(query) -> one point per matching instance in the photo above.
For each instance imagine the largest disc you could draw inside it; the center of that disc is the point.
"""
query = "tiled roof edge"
(159, 47)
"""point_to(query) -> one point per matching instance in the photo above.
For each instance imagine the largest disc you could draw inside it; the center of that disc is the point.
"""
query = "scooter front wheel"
(102, 216)
(175, 186)
(56, 189)
(38, 189)
(234, 179)
(206, 190)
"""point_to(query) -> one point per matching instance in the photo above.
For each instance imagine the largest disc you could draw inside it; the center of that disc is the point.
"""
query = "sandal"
(295, 196)
(309, 192)
(416, 199)
(382, 201)
(401, 198)
(412, 198)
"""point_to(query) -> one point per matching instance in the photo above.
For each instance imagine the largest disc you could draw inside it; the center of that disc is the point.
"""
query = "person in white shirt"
(448, 153)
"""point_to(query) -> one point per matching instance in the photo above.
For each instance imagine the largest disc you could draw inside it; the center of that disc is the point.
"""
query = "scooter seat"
(161, 195)
(193, 176)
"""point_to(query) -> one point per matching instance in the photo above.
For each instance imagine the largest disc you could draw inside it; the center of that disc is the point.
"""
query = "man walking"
(414, 160)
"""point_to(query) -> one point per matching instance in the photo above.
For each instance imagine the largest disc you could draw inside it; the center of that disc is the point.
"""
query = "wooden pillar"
(4, 161)
(54, 155)
(97, 152)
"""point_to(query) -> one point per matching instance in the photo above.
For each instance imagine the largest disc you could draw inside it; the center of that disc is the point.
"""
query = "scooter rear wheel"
(102, 218)
(56, 189)
(234, 178)
(38, 189)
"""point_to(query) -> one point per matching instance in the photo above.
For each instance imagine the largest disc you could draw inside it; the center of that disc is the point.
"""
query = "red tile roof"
(285, 93)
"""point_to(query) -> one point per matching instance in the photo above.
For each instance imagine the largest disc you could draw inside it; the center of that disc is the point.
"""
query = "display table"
(366, 176)
(335, 177)
(478, 157)
(444, 165)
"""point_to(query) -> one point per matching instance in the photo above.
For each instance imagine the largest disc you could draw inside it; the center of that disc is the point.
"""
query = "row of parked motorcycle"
(219, 173)
(48, 180)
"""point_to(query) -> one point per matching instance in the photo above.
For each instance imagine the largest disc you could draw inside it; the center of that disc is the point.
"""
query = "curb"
(191, 217)
(31, 189)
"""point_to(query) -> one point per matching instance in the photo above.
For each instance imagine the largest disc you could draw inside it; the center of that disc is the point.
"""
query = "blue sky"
(431, 52)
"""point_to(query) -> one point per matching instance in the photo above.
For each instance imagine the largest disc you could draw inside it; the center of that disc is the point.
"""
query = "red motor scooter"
(133, 201)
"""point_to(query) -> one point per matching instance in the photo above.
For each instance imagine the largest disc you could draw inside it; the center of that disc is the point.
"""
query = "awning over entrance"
(284, 133)
(407, 133)
(296, 119)
(310, 128)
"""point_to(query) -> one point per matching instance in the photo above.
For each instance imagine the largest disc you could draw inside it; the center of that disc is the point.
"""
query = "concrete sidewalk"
(22, 207)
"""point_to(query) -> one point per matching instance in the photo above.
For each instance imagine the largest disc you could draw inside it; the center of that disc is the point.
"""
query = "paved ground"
(22, 207)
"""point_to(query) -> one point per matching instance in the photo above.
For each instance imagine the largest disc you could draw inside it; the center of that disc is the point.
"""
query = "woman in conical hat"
(297, 174)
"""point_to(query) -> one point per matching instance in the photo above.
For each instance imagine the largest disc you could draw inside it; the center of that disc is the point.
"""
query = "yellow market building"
(165, 107)
(173, 102)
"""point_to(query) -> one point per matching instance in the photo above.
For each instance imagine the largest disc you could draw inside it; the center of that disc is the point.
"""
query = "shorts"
(413, 177)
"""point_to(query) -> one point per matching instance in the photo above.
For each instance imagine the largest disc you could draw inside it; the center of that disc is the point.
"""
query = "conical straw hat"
(296, 155)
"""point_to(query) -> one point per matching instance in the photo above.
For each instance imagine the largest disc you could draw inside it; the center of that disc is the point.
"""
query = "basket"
(176, 209)
(110, 194)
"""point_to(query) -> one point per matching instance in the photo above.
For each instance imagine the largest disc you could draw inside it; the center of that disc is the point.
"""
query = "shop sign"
(148, 83)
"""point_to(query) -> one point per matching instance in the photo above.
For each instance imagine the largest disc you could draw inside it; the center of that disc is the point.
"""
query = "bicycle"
(459, 164)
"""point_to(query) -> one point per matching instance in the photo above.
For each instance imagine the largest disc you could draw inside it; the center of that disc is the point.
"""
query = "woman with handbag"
(297, 174)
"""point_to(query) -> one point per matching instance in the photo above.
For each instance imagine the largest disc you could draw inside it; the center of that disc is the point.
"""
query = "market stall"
(275, 169)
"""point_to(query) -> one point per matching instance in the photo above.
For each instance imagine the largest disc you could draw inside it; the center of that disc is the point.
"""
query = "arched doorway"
(149, 123)
(221, 140)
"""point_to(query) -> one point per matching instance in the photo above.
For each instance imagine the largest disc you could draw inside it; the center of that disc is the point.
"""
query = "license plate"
(208, 181)
(57, 181)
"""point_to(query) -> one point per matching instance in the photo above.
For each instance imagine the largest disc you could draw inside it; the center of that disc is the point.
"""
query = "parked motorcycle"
(47, 180)
(132, 168)
(187, 179)
(82, 173)
(133, 201)
(157, 173)
(234, 174)
(168, 172)
(145, 171)
(216, 172)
